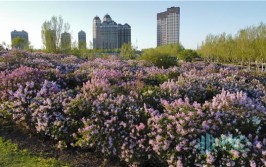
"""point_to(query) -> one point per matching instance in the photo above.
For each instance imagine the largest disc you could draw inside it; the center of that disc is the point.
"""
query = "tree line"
(246, 48)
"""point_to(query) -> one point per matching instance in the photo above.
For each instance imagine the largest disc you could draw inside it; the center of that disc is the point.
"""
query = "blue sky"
(198, 18)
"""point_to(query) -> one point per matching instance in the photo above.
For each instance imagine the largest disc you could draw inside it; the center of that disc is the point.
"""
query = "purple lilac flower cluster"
(136, 112)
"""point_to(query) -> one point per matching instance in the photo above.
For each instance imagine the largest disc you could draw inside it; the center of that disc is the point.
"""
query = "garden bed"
(134, 113)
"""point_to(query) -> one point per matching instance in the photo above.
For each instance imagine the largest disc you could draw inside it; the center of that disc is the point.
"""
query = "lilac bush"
(10, 79)
(136, 112)
(111, 122)
(174, 132)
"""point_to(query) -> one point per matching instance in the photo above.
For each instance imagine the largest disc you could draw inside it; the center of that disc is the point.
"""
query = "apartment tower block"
(107, 34)
(168, 26)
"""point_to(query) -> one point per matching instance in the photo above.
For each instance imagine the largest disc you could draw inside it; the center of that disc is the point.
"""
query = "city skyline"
(197, 19)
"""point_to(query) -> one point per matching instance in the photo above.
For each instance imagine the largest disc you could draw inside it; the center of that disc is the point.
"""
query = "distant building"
(82, 40)
(20, 34)
(65, 41)
(168, 26)
(108, 34)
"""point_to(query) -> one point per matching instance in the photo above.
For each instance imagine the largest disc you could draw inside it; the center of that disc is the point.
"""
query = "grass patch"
(11, 156)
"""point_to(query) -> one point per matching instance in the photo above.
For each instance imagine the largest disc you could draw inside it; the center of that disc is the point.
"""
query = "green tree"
(170, 49)
(20, 43)
(188, 55)
(163, 56)
(75, 49)
(82, 45)
(161, 60)
(247, 47)
(127, 51)
(51, 33)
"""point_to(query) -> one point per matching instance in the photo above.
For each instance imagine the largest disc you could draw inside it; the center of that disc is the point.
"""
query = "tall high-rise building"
(168, 26)
(108, 34)
(65, 41)
(82, 40)
(20, 34)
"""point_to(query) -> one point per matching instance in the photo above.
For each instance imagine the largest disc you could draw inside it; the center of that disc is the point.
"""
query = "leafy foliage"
(51, 33)
(246, 47)
(188, 55)
(163, 56)
(161, 60)
(20, 43)
(127, 51)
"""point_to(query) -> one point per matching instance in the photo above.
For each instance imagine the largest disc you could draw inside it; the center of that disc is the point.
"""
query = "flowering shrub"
(110, 122)
(10, 80)
(116, 127)
(139, 113)
(174, 132)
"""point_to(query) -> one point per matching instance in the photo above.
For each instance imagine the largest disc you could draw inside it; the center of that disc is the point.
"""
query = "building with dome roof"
(107, 34)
